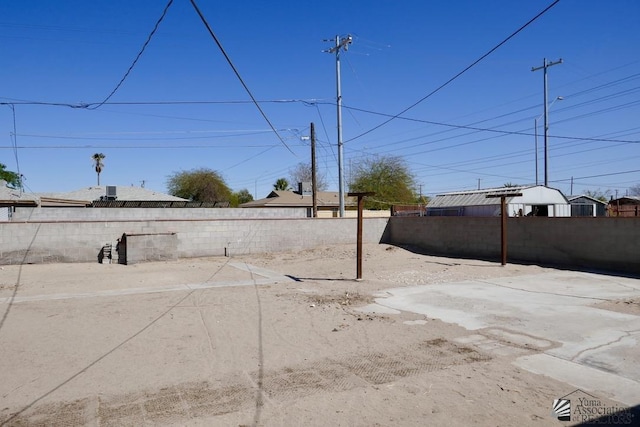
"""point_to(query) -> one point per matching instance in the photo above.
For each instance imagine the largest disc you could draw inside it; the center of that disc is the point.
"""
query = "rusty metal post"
(313, 171)
(360, 197)
(503, 222)
(503, 229)
(359, 239)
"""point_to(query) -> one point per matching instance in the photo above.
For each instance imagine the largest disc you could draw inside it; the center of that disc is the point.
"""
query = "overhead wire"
(598, 176)
(237, 73)
(433, 92)
(135, 61)
(453, 127)
(503, 132)
(310, 101)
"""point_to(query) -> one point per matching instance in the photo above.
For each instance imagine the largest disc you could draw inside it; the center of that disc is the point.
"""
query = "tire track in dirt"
(203, 399)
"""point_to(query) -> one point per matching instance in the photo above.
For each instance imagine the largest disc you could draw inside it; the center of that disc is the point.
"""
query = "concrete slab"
(621, 389)
(540, 312)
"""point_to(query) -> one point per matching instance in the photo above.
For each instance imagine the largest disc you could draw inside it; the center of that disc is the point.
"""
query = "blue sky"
(182, 107)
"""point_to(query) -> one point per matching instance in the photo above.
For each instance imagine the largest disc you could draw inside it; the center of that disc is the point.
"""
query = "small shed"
(536, 200)
(583, 205)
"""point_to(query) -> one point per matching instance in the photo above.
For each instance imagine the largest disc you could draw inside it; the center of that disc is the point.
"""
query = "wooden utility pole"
(313, 170)
(360, 197)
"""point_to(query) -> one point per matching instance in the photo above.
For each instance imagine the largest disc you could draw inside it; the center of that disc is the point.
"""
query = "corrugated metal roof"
(473, 197)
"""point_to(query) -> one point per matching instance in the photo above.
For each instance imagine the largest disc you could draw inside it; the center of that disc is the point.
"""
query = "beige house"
(328, 203)
(105, 193)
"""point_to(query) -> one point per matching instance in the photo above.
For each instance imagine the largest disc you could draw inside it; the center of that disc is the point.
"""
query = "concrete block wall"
(590, 243)
(593, 243)
(136, 248)
(82, 241)
(127, 214)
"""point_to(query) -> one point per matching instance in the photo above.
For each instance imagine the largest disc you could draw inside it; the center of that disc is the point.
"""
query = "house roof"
(479, 197)
(626, 200)
(90, 194)
(584, 196)
(15, 197)
(291, 199)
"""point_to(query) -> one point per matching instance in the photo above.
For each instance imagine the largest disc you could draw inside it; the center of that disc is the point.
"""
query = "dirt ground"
(219, 341)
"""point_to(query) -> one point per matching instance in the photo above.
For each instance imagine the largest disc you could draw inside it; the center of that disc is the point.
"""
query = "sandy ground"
(219, 341)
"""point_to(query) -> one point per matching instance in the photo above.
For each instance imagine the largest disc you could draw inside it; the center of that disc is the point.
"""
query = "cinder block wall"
(123, 214)
(82, 241)
(599, 243)
(147, 247)
(595, 243)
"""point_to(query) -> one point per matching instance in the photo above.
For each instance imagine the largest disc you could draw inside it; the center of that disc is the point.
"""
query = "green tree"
(388, 176)
(281, 185)
(422, 200)
(240, 197)
(199, 185)
(12, 178)
(98, 164)
(302, 173)
(510, 184)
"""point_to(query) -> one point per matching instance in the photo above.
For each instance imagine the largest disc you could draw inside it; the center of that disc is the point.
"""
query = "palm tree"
(281, 185)
(97, 158)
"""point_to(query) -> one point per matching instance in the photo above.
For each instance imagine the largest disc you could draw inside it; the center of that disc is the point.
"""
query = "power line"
(206, 24)
(457, 75)
(127, 147)
(155, 138)
(144, 46)
(597, 176)
(503, 132)
(310, 101)
(476, 129)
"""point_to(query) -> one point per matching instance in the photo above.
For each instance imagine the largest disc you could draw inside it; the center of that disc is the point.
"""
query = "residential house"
(110, 196)
(328, 202)
(624, 206)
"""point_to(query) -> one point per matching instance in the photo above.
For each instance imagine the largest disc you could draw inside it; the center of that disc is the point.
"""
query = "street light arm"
(558, 98)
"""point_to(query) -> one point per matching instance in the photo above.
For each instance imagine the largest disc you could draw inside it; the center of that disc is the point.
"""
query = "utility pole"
(340, 44)
(571, 192)
(544, 67)
(313, 170)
